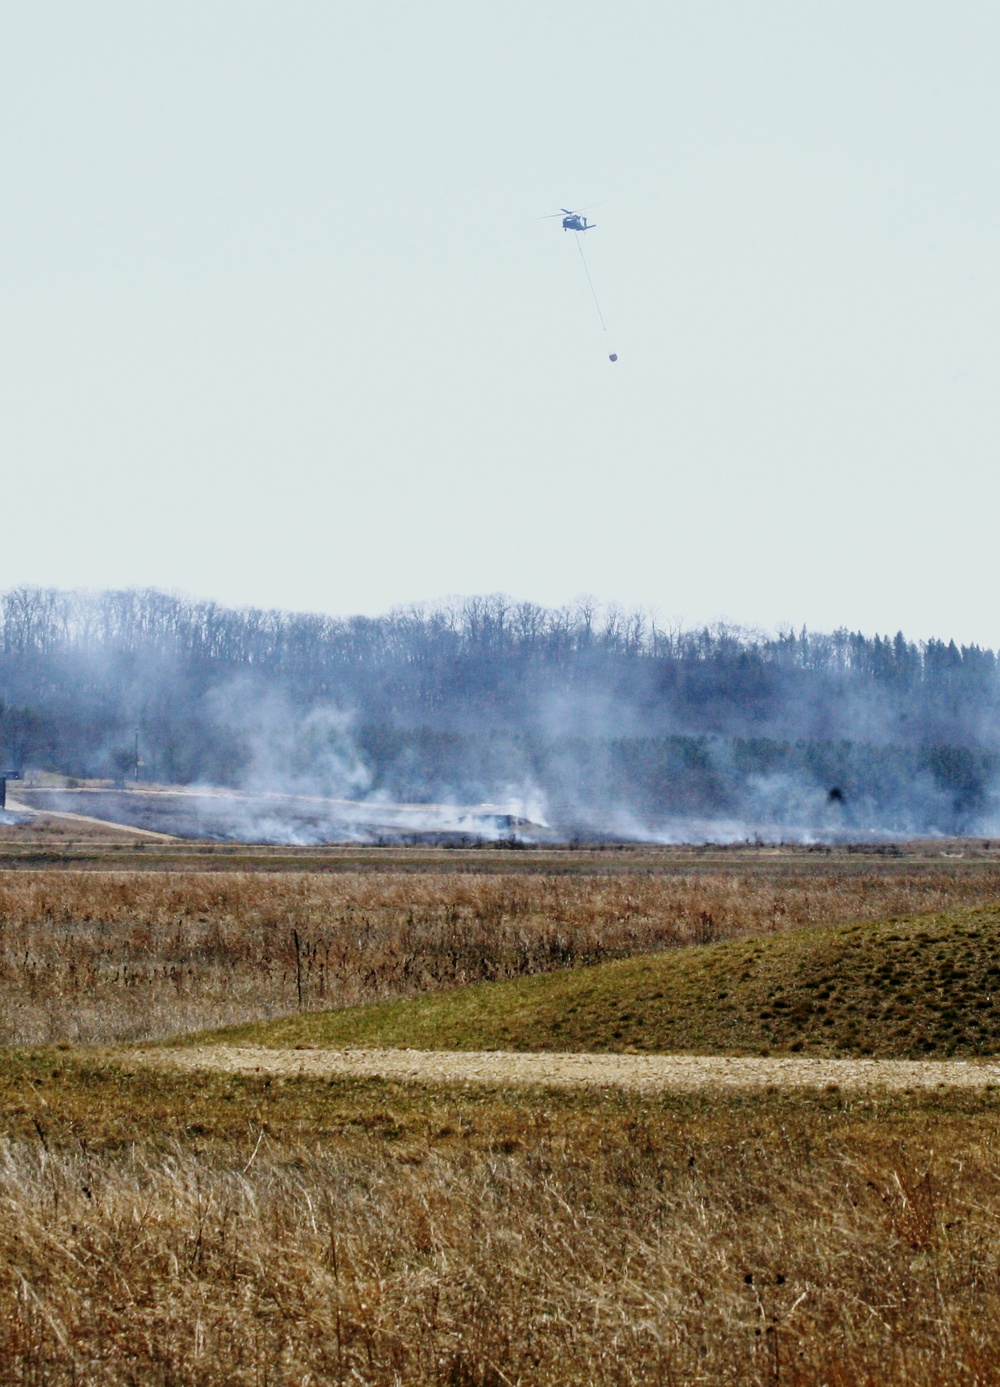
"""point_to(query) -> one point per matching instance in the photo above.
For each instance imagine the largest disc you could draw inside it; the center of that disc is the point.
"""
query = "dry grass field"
(95, 956)
(164, 1228)
(169, 1229)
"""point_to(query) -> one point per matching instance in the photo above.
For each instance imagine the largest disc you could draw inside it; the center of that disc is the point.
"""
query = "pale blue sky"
(279, 326)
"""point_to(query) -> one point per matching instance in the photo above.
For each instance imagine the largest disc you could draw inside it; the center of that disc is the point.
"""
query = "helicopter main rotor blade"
(565, 212)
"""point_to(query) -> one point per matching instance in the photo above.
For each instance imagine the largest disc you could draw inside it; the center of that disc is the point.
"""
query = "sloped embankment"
(908, 988)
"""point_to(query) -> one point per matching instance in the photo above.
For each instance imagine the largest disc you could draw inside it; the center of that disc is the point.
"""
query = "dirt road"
(19, 808)
(647, 1073)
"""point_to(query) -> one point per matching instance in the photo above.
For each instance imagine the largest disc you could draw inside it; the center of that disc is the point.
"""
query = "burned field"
(161, 1226)
(230, 815)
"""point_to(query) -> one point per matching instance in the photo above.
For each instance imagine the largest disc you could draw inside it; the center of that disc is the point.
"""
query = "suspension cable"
(579, 246)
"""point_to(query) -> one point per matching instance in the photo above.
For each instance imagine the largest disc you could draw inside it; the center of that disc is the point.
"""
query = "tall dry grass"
(102, 956)
(769, 1246)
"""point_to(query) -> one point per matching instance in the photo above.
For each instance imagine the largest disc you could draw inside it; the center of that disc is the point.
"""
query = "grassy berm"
(927, 985)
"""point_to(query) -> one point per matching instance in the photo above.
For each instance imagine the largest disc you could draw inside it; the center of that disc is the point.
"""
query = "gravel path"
(647, 1073)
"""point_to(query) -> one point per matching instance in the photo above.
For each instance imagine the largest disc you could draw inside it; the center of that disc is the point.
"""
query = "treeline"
(40, 623)
(592, 707)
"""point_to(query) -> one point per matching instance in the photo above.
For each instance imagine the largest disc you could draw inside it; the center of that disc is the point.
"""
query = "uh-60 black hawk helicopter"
(576, 221)
(571, 221)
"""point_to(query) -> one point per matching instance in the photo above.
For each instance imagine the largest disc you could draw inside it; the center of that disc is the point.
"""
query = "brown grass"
(100, 956)
(208, 1230)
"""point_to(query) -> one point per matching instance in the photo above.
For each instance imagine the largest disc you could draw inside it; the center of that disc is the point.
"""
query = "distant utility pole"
(4, 777)
(136, 755)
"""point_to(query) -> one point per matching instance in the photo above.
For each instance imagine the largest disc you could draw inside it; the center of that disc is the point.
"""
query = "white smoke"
(310, 752)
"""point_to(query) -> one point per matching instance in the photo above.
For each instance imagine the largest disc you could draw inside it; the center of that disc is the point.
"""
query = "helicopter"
(574, 221)
(571, 221)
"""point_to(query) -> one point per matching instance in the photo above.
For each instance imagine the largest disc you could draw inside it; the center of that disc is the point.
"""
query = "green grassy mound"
(906, 987)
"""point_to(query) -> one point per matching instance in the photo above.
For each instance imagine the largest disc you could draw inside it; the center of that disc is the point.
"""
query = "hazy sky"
(278, 324)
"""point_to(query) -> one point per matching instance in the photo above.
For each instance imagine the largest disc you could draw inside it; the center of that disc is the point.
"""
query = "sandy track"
(646, 1073)
(18, 807)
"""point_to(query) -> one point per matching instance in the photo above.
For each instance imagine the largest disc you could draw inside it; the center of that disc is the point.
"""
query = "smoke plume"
(489, 718)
